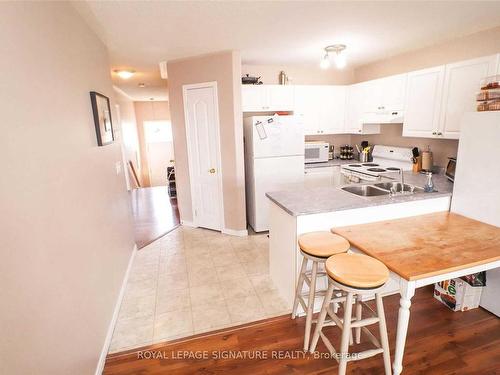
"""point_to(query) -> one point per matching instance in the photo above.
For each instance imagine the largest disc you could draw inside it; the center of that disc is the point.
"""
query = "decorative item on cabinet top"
(489, 97)
(247, 80)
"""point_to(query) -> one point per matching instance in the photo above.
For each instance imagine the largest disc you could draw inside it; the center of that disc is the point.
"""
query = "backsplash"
(391, 135)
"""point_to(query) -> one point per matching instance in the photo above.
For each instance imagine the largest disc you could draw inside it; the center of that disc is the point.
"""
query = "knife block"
(417, 167)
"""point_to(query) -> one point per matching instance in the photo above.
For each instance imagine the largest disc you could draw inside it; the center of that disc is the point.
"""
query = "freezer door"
(275, 136)
(272, 174)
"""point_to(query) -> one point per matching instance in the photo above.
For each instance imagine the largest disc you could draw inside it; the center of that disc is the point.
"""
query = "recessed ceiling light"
(142, 85)
(338, 56)
(125, 74)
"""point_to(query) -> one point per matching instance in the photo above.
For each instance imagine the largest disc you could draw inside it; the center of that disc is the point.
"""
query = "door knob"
(212, 170)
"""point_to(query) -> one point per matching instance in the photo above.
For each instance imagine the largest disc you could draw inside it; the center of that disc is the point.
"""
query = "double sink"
(382, 188)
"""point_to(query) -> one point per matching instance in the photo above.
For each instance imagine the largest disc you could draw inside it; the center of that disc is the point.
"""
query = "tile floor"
(192, 281)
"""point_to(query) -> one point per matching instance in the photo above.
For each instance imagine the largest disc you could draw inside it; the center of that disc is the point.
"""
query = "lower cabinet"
(322, 176)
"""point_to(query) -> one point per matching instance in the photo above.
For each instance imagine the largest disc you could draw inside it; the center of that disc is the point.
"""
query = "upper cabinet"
(322, 108)
(384, 94)
(264, 98)
(438, 97)
(461, 84)
(423, 102)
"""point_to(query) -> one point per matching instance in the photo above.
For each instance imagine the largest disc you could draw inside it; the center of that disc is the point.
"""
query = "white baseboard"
(188, 223)
(233, 232)
(114, 318)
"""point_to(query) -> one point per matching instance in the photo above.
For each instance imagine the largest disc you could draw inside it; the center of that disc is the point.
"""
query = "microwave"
(316, 152)
(450, 169)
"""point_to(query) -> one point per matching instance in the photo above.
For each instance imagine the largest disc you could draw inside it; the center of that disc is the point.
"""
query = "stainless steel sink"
(365, 190)
(396, 186)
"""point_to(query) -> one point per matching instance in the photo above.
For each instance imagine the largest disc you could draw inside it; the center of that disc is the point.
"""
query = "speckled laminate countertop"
(298, 200)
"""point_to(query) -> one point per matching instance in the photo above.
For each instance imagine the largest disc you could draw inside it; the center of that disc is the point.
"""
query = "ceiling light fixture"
(325, 62)
(125, 74)
(338, 56)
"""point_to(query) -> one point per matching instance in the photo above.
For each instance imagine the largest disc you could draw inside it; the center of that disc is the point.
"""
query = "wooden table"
(422, 250)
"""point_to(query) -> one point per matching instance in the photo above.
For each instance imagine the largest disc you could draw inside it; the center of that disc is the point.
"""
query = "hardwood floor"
(439, 342)
(154, 212)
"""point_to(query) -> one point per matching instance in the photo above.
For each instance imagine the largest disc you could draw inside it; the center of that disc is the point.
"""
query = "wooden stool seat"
(357, 270)
(323, 244)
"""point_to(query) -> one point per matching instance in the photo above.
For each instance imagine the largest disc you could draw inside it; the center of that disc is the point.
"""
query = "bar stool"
(355, 275)
(315, 247)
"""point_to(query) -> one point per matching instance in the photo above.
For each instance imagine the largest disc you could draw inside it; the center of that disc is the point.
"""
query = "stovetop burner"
(392, 169)
(354, 165)
(376, 169)
(370, 165)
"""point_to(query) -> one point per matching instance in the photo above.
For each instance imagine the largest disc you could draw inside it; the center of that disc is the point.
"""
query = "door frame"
(185, 89)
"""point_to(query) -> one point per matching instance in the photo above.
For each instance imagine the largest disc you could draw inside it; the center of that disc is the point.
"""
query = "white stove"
(386, 159)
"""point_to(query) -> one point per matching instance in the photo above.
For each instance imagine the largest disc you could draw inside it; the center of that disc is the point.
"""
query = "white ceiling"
(140, 34)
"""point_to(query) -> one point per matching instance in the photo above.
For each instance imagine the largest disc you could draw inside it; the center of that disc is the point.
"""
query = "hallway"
(154, 213)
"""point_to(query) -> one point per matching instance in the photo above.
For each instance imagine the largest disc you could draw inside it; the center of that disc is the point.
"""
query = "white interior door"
(202, 129)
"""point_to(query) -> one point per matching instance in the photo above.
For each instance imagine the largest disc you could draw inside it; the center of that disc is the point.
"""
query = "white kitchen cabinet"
(267, 98)
(438, 97)
(322, 108)
(306, 106)
(322, 176)
(332, 105)
(356, 104)
(393, 92)
(423, 102)
(461, 84)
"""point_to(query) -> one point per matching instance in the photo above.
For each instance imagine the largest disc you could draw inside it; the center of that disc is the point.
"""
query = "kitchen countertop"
(298, 200)
(329, 163)
(446, 242)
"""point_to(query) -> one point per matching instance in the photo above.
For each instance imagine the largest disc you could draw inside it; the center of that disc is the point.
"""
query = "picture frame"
(102, 118)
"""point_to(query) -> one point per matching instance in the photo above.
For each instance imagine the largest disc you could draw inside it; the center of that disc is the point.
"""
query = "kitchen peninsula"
(299, 210)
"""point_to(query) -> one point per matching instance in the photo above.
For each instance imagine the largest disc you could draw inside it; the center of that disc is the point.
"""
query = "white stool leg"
(346, 334)
(359, 312)
(300, 284)
(322, 316)
(383, 334)
(310, 305)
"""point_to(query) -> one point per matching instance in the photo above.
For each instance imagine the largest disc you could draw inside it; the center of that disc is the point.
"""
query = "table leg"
(407, 291)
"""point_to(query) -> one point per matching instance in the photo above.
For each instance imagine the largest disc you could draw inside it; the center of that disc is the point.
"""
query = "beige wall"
(391, 135)
(476, 45)
(65, 220)
(225, 69)
(130, 137)
(300, 75)
(148, 111)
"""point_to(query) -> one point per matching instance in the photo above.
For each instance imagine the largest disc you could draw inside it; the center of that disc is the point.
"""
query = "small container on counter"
(429, 185)
(488, 105)
(488, 95)
(492, 82)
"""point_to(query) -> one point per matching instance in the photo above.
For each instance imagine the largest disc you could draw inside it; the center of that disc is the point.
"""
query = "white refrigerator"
(274, 159)
(476, 190)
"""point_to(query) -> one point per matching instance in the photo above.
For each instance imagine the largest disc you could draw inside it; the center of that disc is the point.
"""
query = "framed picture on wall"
(102, 118)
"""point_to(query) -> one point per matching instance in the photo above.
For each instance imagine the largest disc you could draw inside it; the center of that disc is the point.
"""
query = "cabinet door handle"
(359, 131)
(439, 133)
(434, 133)
(211, 170)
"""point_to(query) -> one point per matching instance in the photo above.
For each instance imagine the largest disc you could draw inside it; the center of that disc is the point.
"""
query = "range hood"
(385, 117)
